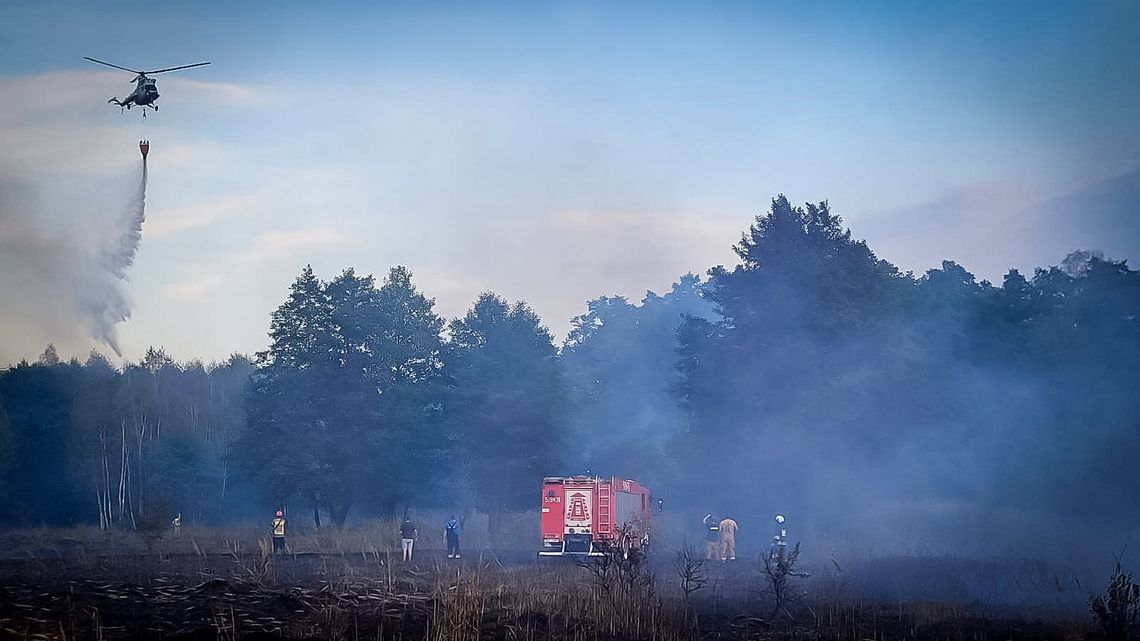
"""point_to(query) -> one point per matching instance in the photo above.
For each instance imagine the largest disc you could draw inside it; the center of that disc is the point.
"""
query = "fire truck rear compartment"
(583, 516)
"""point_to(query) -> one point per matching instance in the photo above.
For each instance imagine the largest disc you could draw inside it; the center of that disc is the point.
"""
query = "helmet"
(779, 518)
(280, 513)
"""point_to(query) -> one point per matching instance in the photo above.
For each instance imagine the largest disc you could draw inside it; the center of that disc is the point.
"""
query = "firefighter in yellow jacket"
(728, 529)
(279, 533)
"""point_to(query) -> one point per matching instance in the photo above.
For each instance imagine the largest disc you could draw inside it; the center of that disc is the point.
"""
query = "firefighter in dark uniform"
(780, 541)
(712, 537)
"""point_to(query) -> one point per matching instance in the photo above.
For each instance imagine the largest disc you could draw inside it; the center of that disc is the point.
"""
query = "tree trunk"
(495, 523)
(103, 480)
(338, 513)
(341, 498)
(124, 471)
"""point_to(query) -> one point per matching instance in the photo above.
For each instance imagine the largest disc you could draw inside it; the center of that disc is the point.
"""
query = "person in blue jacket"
(451, 531)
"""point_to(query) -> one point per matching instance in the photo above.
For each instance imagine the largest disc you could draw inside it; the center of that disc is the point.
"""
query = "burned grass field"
(202, 588)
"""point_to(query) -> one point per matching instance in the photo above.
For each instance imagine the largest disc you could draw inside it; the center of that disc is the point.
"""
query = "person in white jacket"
(728, 529)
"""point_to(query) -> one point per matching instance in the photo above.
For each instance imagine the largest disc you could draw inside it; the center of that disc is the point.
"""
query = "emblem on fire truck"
(578, 509)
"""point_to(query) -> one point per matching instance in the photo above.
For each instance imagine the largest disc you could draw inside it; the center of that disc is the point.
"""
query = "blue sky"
(551, 152)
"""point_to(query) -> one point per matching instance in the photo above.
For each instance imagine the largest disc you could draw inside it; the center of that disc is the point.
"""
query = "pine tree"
(508, 417)
(336, 408)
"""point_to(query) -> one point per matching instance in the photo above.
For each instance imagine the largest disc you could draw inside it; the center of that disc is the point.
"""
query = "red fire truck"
(586, 515)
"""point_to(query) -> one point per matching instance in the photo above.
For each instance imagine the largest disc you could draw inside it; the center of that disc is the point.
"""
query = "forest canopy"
(812, 377)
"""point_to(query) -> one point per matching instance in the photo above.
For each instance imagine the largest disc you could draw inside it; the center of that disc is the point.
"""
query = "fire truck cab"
(587, 515)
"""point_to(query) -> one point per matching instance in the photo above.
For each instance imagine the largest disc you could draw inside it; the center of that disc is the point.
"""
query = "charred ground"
(361, 594)
(350, 584)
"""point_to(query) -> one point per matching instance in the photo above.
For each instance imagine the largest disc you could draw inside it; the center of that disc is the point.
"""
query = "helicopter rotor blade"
(110, 65)
(196, 64)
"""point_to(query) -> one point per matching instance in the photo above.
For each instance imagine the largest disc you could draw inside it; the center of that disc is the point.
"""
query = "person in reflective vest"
(279, 533)
(712, 537)
(451, 531)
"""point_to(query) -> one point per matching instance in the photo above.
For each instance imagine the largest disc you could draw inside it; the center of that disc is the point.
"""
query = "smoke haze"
(63, 280)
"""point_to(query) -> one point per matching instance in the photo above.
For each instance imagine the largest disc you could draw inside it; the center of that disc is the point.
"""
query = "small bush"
(1117, 612)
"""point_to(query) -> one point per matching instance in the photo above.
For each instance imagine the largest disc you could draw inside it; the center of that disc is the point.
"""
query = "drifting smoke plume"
(886, 414)
(60, 283)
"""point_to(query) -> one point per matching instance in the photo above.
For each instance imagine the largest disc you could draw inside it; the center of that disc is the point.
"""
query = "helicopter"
(145, 93)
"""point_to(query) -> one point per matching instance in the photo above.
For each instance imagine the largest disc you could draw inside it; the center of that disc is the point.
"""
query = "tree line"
(812, 373)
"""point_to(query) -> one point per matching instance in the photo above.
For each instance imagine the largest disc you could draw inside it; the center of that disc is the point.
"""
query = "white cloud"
(59, 123)
(200, 94)
(264, 248)
(994, 226)
(61, 95)
(277, 244)
(62, 149)
(47, 97)
(559, 261)
(192, 290)
(170, 220)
